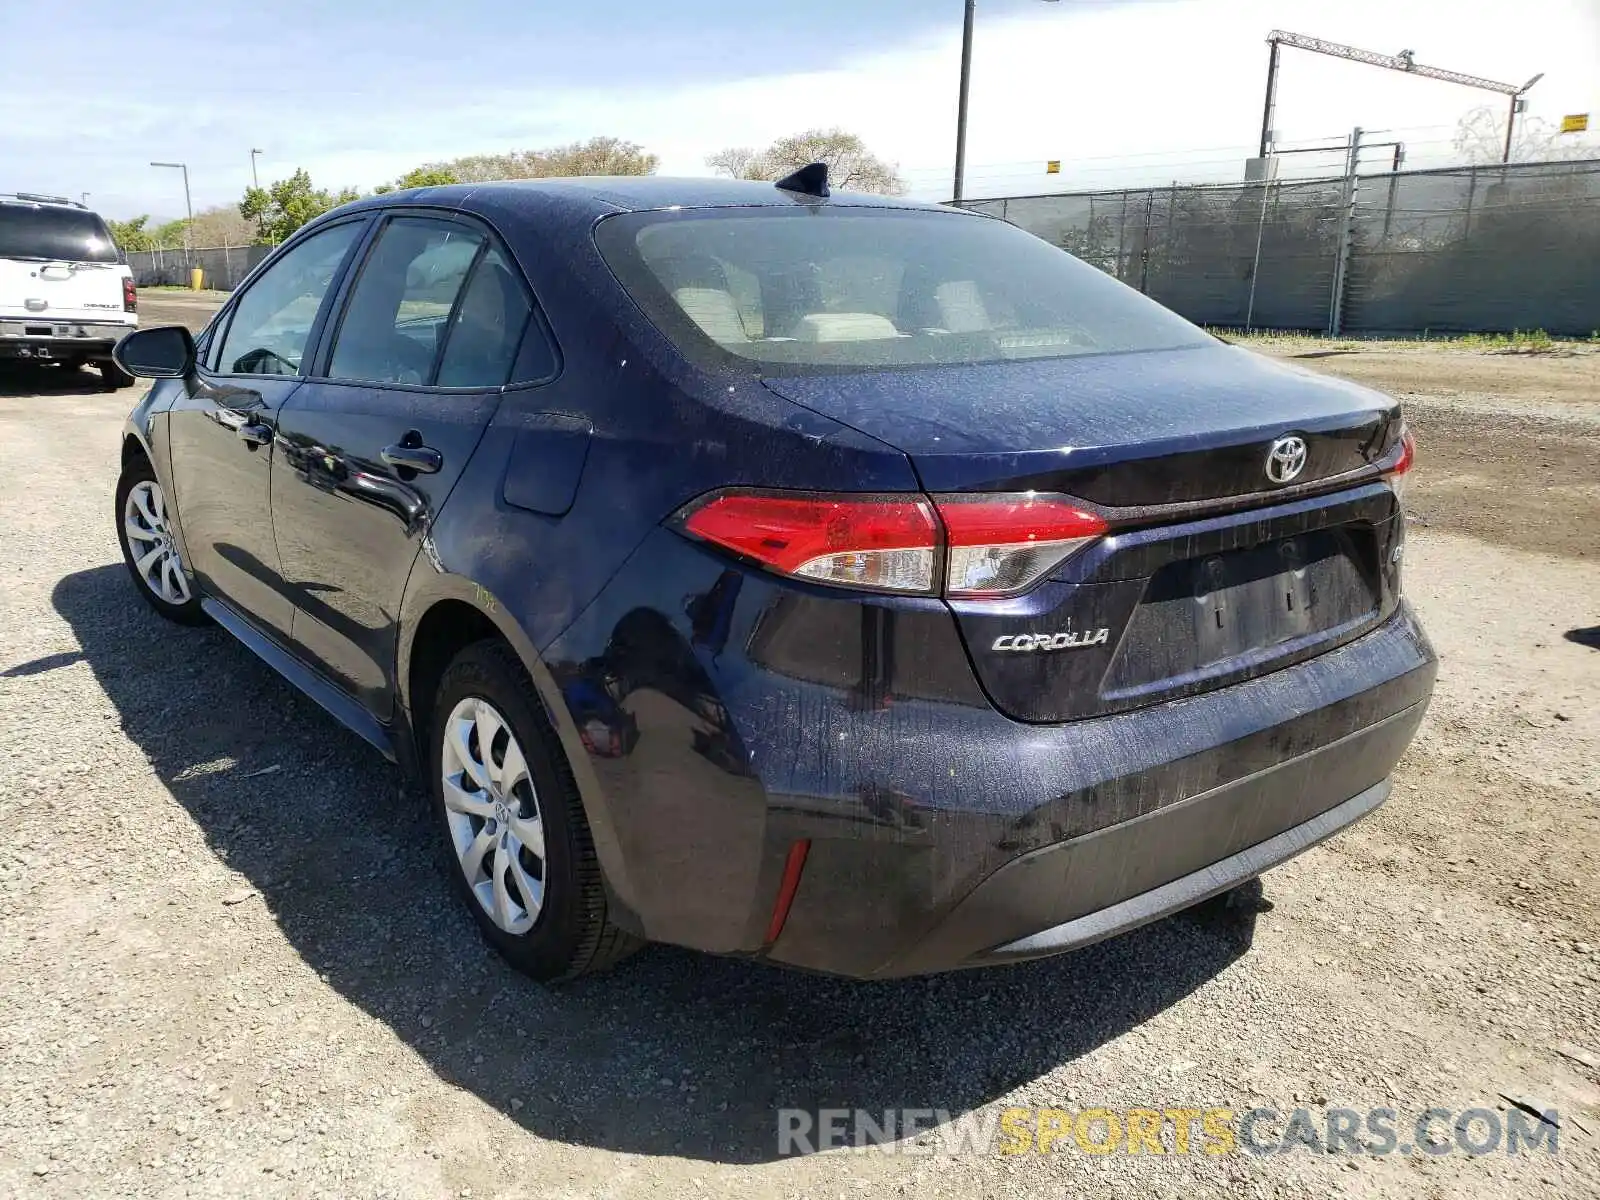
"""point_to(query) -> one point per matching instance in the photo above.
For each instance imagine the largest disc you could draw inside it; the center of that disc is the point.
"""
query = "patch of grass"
(1518, 341)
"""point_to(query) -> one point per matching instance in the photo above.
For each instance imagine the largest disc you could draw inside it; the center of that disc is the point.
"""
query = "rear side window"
(487, 327)
(63, 234)
(435, 303)
(272, 321)
(818, 288)
(394, 324)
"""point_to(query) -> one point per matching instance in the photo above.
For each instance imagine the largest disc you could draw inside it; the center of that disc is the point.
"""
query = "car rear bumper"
(938, 832)
(64, 339)
(1106, 883)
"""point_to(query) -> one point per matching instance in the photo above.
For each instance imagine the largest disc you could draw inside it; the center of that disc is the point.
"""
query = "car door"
(221, 428)
(428, 329)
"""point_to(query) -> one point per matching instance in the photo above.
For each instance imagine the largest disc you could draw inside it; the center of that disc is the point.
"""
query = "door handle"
(255, 435)
(424, 460)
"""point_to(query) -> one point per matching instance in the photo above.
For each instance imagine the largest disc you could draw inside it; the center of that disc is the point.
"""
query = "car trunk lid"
(1213, 570)
(50, 290)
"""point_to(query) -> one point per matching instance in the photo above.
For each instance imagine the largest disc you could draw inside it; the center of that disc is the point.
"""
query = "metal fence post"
(1144, 245)
(1341, 266)
(1255, 266)
(1472, 190)
(1122, 240)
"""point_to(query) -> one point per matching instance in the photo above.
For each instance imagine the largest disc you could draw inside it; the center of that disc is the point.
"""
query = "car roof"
(599, 195)
(14, 200)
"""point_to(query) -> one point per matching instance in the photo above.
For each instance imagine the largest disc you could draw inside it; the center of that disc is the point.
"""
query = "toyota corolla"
(839, 581)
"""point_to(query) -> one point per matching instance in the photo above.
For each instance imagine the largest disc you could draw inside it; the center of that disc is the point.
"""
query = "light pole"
(188, 228)
(85, 199)
(959, 190)
(1517, 105)
(254, 154)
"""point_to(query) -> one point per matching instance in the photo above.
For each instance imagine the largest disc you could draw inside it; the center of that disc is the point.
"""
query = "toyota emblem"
(1286, 459)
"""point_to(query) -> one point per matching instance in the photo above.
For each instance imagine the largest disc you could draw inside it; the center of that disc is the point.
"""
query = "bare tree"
(740, 162)
(851, 165)
(597, 156)
(1481, 138)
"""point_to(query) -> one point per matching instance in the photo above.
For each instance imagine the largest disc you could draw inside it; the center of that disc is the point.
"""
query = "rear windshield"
(819, 288)
(68, 234)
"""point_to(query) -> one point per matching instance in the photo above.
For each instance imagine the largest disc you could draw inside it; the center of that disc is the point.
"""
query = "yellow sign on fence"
(1575, 123)
(1053, 167)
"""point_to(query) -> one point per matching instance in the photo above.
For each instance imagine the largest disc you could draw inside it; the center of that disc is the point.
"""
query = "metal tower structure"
(1404, 61)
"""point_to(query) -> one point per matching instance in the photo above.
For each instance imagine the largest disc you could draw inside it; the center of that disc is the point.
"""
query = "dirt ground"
(229, 966)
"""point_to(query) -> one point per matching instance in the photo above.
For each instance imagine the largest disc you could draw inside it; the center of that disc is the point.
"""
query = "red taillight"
(1396, 475)
(998, 545)
(886, 543)
(1003, 544)
(1408, 454)
(130, 296)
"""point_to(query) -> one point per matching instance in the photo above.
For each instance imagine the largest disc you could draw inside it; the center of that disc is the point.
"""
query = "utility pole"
(1272, 97)
(188, 228)
(254, 154)
(959, 190)
(1405, 62)
(1518, 104)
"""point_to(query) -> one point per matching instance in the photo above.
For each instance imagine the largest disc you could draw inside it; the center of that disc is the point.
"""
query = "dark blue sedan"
(855, 584)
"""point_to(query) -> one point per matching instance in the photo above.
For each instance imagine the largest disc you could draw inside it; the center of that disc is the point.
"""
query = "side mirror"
(165, 352)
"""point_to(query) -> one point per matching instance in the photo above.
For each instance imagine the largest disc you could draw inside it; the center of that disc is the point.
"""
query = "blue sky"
(357, 91)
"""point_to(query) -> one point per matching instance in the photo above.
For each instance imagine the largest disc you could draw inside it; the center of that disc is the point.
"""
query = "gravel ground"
(229, 965)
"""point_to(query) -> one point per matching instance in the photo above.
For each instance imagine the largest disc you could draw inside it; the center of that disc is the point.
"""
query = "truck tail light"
(130, 296)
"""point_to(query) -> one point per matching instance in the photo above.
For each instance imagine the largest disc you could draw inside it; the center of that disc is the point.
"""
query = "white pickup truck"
(65, 296)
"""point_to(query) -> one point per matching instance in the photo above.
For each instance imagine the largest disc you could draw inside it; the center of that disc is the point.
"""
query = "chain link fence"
(225, 266)
(1465, 249)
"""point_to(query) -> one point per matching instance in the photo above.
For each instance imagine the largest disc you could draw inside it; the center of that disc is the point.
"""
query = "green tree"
(426, 176)
(168, 235)
(281, 208)
(131, 234)
(851, 165)
(597, 156)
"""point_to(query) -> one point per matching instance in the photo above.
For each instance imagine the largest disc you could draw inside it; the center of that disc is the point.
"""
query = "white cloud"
(1176, 84)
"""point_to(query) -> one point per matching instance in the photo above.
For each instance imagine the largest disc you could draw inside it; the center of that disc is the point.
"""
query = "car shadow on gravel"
(669, 1053)
(25, 380)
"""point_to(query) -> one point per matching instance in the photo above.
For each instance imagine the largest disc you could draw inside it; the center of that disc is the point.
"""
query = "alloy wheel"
(492, 809)
(151, 547)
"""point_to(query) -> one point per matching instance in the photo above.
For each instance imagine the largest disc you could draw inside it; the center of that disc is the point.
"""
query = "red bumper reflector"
(792, 866)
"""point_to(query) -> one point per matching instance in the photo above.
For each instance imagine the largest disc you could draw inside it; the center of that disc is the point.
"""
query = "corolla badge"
(1286, 459)
(1052, 641)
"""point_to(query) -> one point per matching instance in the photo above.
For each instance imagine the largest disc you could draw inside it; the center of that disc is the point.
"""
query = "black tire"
(572, 934)
(137, 471)
(114, 377)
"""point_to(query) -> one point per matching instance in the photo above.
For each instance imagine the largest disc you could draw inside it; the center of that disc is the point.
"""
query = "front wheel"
(149, 549)
(519, 850)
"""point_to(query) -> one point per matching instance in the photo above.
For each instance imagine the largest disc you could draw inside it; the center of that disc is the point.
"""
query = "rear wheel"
(113, 376)
(149, 548)
(519, 850)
